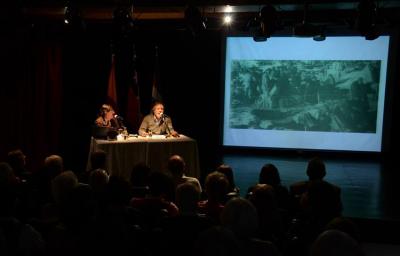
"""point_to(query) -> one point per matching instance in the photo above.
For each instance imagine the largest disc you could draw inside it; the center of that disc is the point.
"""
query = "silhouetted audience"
(180, 232)
(269, 174)
(272, 221)
(17, 160)
(177, 168)
(140, 180)
(216, 190)
(158, 204)
(335, 243)
(240, 216)
(228, 171)
(98, 160)
(16, 238)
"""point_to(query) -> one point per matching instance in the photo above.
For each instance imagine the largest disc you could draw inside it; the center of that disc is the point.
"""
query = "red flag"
(155, 92)
(133, 113)
(112, 85)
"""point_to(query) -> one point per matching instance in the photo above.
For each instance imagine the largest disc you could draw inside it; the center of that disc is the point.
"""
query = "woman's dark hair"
(269, 175)
(227, 170)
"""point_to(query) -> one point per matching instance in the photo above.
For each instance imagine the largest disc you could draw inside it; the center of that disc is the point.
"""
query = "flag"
(133, 113)
(112, 85)
(155, 92)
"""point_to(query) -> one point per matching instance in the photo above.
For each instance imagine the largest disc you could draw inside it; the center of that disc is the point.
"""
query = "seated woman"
(106, 117)
(106, 124)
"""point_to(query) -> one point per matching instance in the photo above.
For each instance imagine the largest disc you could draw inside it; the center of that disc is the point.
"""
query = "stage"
(368, 186)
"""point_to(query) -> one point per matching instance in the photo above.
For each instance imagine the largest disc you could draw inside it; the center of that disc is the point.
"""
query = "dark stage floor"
(369, 189)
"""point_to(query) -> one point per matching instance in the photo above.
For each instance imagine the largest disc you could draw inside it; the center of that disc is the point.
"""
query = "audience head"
(16, 159)
(54, 165)
(240, 216)
(8, 192)
(227, 170)
(176, 166)
(216, 186)
(161, 185)
(80, 207)
(345, 225)
(335, 243)
(269, 174)
(187, 197)
(217, 241)
(316, 169)
(263, 197)
(118, 191)
(7, 176)
(62, 185)
(98, 159)
(98, 180)
(140, 175)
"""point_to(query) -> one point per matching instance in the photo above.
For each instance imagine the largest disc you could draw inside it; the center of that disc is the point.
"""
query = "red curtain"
(32, 98)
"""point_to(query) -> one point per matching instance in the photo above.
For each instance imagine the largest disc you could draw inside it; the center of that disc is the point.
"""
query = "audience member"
(316, 170)
(140, 180)
(216, 190)
(335, 243)
(269, 174)
(240, 216)
(177, 168)
(16, 238)
(180, 232)
(227, 170)
(272, 222)
(98, 161)
(158, 204)
(17, 160)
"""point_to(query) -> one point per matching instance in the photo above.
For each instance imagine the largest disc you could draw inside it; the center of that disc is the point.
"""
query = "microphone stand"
(166, 124)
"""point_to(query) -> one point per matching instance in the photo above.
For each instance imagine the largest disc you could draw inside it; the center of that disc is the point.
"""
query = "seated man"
(157, 122)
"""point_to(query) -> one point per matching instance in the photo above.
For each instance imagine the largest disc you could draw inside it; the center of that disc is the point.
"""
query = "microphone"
(118, 117)
(163, 116)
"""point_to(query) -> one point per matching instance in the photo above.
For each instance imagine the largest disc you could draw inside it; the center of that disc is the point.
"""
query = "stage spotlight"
(309, 30)
(72, 19)
(264, 24)
(71, 14)
(366, 20)
(306, 29)
(195, 22)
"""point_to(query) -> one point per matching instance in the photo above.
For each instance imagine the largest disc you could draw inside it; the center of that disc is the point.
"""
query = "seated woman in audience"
(269, 174)
(227, 170)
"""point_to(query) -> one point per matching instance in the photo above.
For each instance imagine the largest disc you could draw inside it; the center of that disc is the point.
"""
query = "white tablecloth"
(122, 155)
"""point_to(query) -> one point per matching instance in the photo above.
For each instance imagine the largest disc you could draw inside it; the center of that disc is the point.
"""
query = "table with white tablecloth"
(123, 154)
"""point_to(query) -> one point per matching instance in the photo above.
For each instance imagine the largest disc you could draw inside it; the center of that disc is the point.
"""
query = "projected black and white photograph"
(305, 95)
